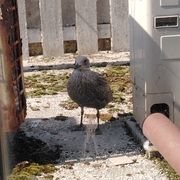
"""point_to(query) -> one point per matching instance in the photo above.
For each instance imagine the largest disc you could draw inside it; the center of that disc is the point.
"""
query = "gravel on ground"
(86, 156)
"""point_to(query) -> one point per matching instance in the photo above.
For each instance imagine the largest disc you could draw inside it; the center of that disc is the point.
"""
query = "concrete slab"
(120, 160)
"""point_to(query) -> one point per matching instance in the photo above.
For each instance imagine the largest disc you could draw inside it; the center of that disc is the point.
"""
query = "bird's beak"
(77, 66)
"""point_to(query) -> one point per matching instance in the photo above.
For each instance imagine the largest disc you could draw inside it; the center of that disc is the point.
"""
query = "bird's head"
(82, 63)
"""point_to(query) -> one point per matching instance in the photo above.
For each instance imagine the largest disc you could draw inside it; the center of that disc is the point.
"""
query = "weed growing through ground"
(166, 169)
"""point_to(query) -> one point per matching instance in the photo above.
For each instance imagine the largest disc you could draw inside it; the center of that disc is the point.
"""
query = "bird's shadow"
(82, 145)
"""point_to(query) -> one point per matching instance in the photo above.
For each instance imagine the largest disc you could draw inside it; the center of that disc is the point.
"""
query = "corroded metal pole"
(12, 95)
(3, 147)
(13, 102)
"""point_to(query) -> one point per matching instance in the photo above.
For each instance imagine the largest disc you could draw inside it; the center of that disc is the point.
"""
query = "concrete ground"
(86, 155)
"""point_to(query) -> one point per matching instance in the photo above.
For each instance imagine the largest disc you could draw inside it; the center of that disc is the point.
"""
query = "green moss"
(20, 176)
(48, 83)
(118, 78)
(33, 169)
(113, 109)
(166, 169)
(69, 104)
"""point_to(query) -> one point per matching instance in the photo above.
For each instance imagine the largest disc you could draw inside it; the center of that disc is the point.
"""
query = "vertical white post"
(23, 28)
(51, 28)
(119, 25)
(86, 26)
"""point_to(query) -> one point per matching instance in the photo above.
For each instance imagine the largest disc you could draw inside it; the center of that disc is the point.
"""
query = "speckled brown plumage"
(88, 88)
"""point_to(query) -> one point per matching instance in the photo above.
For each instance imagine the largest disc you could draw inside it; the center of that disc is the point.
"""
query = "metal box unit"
(155, 58)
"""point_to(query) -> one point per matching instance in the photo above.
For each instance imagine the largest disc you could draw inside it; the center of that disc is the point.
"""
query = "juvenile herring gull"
(88, 88)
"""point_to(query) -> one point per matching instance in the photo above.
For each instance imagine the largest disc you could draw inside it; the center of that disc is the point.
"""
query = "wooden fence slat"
(86, 22)
(68, 12)
(86, 26)
(23, 28)
(104, 31)
(33, 14)
(51, 28)
(34, 35)
(119, 25)
(69, 33)
(103, 14)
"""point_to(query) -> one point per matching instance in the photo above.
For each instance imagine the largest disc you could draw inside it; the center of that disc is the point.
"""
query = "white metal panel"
(155, 39)
(169, 2)
(139, 112)
(170, 47)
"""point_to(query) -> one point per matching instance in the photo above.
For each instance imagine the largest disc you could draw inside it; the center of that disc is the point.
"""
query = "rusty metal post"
(11, 69)
(12, 93)
(4, 161)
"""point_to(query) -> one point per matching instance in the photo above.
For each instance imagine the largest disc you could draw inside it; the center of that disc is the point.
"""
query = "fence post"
(119, 25)
(51, 28)
(86, 26)
(23, 28)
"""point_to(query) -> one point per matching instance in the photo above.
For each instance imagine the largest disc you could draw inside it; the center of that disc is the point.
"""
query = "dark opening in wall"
(160, 108)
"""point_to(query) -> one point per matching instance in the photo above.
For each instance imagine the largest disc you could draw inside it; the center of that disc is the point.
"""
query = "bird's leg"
(98, 131)
(81, 126)
(82, 113)
(98, 116)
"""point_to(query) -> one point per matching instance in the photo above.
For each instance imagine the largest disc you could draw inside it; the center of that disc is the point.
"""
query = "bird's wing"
(89, 89)
(101, 89)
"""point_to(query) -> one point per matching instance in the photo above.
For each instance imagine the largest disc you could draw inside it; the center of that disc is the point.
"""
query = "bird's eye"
(85, 61)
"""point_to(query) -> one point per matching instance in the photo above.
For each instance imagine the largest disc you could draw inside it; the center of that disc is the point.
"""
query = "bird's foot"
(80, 127)
(98, 131)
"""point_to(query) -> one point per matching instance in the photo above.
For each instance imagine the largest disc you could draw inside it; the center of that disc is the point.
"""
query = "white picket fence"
(52, 22)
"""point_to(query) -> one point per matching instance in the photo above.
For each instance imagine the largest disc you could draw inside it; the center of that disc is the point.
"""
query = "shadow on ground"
(51, 140)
